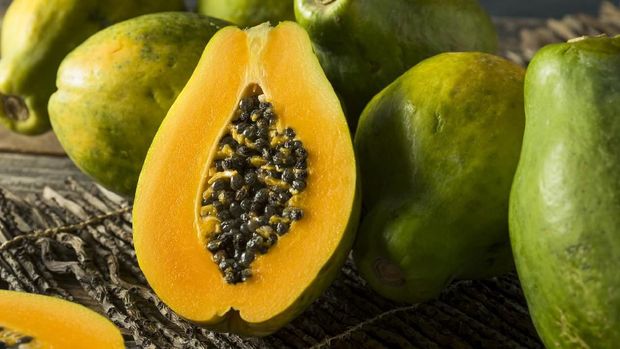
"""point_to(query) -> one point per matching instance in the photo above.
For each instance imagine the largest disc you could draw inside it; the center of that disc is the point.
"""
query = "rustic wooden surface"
(489, 314)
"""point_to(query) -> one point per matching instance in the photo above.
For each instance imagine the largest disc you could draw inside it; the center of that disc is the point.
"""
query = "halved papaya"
(247, 203)
(38, 322)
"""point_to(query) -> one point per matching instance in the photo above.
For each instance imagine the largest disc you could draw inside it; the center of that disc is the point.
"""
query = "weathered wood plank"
(43, 144)
(26, 173)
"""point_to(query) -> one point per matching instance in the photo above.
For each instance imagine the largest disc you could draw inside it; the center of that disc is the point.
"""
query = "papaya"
(41, 322)
(247, 204)
(565, 201)
(37, 35)
(115, 89)
(364, 45)
(438, 149)
(248, 13)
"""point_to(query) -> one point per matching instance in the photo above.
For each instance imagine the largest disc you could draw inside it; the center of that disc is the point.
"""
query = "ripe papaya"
(364, 45)
(248, 13)
(438, 149)
(115, 89)
(41, 322)
(37, 35)
(232, 225)
(565, 202)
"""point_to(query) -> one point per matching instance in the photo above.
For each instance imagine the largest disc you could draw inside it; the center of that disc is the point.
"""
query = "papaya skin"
(438, 149)
(248, 13)
(166, 214)
(363, 45)
(115, 89)
(37, 35)
(565, 202)
(56, 323)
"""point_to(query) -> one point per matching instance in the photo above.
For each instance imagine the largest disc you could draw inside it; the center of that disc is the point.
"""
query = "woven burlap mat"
(78, 245)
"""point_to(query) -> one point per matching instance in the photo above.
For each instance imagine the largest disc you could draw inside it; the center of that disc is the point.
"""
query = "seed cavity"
(10, 339)
(258, 173)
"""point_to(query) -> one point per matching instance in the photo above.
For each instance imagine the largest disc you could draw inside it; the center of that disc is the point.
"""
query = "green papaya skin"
(565, 201)
(115, 89)
(438, 149)
(363, 45)
(37, 35)
(248, 13)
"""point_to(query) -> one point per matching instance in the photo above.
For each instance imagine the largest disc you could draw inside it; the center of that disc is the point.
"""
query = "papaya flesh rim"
(56, 323)
(166, 216)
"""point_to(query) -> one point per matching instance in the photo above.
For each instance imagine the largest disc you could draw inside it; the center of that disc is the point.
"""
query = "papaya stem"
(15, 108)
(326, 2)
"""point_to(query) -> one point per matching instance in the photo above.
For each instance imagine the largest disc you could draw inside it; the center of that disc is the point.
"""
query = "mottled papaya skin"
(565, 202)
(438, 149)
(115, 89)
(363, 45)
(248, 13)
(37, 35)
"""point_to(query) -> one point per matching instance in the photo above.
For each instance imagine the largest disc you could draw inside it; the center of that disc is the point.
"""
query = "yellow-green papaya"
(437, 150)
(115, 89)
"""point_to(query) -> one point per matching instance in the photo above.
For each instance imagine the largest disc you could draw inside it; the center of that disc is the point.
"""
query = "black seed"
(263, 124)
(246, 274)
(223, 215)
(301, 164)
(271, 210)
(235, 209)
(205, 202)
(218, 165)
(289, 132)
(301, 174)
(284, 196)
(241, 127)
(289, 144)
(247, 257)
(223, 264)
(288, 175)
(25, 339)
(228, 140)
(218, 206)
(282, 228)
(298, 185)
(254, 242)
(272, 240)
(251, 178)
(230, 277)
(227, 225)
(244, 228)
(262, 220)
(250, 132)
(257, 207)
(244, 218)
(246, 205)
(236, 182)
(262, 195)
(219, 184)
(261, 144)
(294, 213)
(253, 225)
(227, 164)
(243, 117)
(245, 151)
(241, 193)
(301, 153)
(247, 104)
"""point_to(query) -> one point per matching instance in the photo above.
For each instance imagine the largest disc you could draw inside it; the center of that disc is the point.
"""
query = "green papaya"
(115, 89)
(37, 35)
(248, 13)
(438, 149)
(565, 202)
(363, 45)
